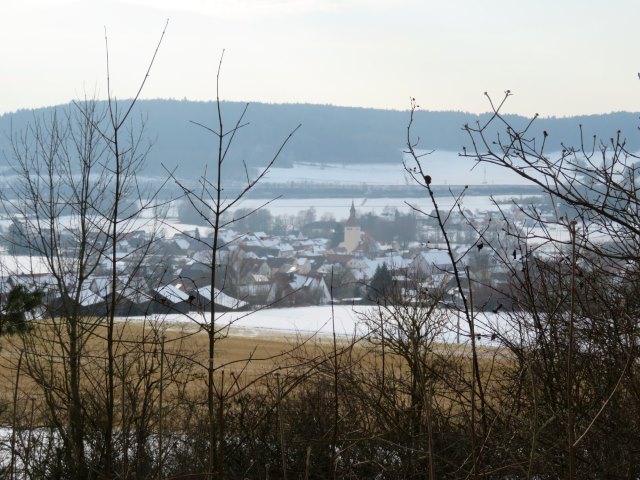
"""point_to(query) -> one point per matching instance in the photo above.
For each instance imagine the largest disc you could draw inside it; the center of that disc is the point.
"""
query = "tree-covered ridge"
(329, 134)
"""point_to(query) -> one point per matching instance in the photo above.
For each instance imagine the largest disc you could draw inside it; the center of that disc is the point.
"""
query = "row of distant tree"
(329, 134)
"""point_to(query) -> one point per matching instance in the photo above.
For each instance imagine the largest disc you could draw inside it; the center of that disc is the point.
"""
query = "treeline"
(329, 134)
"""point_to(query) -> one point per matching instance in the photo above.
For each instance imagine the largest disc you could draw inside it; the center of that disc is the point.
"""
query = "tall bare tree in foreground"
(75, 197)
(418, 168)
(128, 202)
(49, 159)
(213, 205)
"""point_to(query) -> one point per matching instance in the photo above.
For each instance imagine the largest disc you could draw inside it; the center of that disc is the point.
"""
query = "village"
(323, 261)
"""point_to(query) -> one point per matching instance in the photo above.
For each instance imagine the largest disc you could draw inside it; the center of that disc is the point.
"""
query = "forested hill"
(328, 134)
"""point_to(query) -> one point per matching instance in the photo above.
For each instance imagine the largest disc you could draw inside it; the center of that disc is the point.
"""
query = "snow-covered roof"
(182, 243)
(259, 278)
(394, 261)
(437, 257)
(22, 264)
(325, 269)
(365, 266)
(88, 298)
(300, 281)
(43, 281)
(221, 298)
(304, 243)
(203, 256)
(172, 293)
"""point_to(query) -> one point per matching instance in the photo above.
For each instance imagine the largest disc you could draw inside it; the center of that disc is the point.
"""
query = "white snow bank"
(348, 321)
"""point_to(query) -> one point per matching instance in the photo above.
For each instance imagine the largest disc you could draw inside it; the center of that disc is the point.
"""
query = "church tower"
(351, 231)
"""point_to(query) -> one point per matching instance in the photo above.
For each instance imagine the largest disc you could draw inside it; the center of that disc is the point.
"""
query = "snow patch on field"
(349, 322)
(446, 168)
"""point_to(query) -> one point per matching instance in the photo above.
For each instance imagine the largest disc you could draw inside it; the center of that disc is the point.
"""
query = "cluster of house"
(295, 270)
(253, 270)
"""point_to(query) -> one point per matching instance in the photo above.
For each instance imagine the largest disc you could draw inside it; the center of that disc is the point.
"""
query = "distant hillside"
(328, 135)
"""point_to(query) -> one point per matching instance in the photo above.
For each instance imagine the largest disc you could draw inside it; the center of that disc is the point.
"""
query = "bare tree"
(408, 326)
(418, 169)
(75, 197)
(573, 259)
(127, 157)
(56, 167)
(213, 205)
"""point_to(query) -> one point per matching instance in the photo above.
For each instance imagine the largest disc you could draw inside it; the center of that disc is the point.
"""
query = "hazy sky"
(559, 57)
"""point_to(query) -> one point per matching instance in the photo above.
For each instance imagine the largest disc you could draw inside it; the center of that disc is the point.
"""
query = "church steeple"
(352, 234)
(352, 222)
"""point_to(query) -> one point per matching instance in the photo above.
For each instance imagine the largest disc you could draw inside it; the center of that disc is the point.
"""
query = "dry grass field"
(242, 353)
(242, 356)
(160, 384)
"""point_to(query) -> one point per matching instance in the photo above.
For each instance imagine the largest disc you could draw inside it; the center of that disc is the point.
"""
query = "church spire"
(352, 222)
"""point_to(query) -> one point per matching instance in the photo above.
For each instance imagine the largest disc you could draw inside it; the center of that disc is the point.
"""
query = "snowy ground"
(305, 321)
(446, 168)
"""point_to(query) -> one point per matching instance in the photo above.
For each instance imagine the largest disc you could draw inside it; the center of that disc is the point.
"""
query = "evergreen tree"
(338, 236)
(13, 314)
(381, 285)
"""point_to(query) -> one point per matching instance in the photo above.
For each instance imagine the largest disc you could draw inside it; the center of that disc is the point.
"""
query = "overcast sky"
(558, 57)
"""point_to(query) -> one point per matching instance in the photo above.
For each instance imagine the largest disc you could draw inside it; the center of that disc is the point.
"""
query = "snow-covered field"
(349, 322)
(446, 168)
